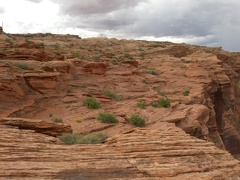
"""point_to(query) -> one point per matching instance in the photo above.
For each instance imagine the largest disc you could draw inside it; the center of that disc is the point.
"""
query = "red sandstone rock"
(39, 126)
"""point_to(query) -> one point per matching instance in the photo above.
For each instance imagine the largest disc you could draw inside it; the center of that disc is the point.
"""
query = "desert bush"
(78, 55)
(163, 102)
(69, 139)
(186, 93)
(93, 138)
(136, 120)
(91, 103)
(153, 72)
(142, 103)
(114, 95)
(128, 56)
(57, 120)
(107, 118)
(23, 66)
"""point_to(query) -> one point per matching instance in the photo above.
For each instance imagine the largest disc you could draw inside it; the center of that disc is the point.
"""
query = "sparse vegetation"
(142, 103)
(57, 120)
(162, 93)
(78, 55)
(107, 118)
(153, 72)
(128, 56)
(91, 103)
(114, 95)
(186, 93)
(78, 121)
(136, 120)
(163, 102)
(68, 91)
(56, 46)
(93, 138)
(97, 58)
(23, 66)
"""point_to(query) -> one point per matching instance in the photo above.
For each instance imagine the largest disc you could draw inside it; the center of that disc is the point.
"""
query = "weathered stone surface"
(167, 153)
(40, 126)
(46, 81)
(95, 68)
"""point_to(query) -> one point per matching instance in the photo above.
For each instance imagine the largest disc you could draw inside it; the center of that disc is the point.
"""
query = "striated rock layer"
(166, 153)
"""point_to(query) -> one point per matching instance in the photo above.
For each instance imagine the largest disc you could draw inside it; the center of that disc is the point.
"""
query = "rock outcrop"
(39, 126)
(46, 76)
(166, 153)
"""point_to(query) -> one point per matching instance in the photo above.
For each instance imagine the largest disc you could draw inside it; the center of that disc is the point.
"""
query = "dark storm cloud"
(218, 20)
(73, 7)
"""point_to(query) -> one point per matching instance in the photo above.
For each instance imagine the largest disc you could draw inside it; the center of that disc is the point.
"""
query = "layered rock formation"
(45, 76)
(166, 153)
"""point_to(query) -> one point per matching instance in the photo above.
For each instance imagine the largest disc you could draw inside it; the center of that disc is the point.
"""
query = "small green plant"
(9, 41)
(153, 72)
(23, 66)
(78, 121)
(97, 58)
(27, 41)
(128, 56)
(42, 44)
(78, 55)
(68, 91)
(163, 102)
(162, 93)
(93, 138)
(145, 81)
(114, 95)
(186, 93)
(142, 54)
(107, 118)
(57, 120)
(136, 120)
(92, 103)
(142, 103)
(56, 46)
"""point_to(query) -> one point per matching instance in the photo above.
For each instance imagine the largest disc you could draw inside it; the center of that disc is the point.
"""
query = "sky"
(201, 22)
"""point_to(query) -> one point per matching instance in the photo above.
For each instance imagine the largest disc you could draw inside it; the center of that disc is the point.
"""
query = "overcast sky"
(201, 22)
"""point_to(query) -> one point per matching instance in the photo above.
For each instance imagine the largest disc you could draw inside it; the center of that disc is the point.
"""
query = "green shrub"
(163, 102)
(136, 120)
(78, 121)
(23, 66)
(114, 95)
(69, 139)
(93, 138)
(153, 72)
(78, 55)
(107, 118)
(142, 103)
(57, 120)
(128, 56)
(186, 93)
(97, 58)
(92, 103)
